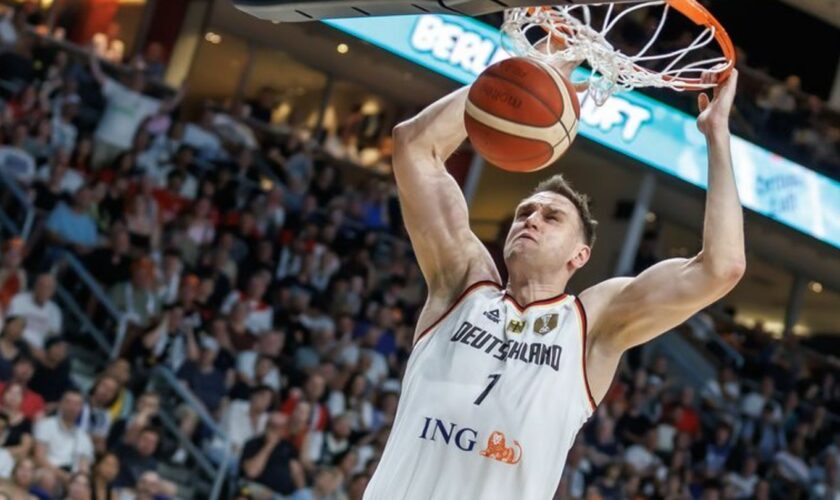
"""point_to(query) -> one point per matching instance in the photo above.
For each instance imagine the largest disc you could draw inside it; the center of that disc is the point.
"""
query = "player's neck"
(526, 290)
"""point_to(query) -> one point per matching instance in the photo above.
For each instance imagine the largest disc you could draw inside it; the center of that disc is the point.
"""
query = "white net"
(535, 32)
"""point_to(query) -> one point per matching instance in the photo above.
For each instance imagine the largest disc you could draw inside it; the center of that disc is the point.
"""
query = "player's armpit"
(626, 312)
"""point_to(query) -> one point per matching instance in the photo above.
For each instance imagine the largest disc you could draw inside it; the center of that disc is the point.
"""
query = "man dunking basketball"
(502, 377)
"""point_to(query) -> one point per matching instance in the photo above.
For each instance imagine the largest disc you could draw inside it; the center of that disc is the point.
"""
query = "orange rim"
(699, 15)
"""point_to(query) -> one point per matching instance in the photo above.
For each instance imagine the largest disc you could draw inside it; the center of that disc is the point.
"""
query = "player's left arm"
(626, 312)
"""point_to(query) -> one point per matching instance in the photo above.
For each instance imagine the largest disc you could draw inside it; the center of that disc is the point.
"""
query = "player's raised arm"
(451, 257)
(625, 312)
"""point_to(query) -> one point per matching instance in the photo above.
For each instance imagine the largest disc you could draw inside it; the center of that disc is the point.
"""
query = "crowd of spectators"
(765, 428)
(283, 298)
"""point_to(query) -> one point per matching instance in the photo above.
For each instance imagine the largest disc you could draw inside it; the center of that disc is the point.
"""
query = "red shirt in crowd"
(317, 420)
(32, 405)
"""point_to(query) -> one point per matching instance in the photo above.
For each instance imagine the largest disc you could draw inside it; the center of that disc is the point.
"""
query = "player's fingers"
(581, 87)
(730, 84)
(703, 101)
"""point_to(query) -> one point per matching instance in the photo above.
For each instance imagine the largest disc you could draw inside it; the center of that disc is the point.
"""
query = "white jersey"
(493, 397)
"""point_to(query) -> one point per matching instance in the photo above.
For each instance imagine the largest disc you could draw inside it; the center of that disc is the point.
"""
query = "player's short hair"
(558, 184)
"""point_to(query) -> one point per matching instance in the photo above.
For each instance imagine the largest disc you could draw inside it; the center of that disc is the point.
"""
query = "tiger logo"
(497, 449)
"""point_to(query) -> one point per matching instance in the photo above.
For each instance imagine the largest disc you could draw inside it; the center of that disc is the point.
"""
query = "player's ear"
(581, 257)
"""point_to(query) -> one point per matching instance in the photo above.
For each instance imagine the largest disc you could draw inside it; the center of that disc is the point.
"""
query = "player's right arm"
(450, 255)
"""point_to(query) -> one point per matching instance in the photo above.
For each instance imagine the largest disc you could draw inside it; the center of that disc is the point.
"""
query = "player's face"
(546, 234)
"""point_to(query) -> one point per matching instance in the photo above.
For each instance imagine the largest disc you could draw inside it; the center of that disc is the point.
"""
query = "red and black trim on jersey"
(455, 304)
(583, 331)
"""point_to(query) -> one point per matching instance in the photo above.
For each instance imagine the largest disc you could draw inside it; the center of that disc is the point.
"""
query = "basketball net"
(566, 33)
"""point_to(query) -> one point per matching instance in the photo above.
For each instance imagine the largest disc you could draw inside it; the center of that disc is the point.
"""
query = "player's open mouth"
(527, 237)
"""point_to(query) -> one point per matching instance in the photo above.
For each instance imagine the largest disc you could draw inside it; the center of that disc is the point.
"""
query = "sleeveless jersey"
(493, 396)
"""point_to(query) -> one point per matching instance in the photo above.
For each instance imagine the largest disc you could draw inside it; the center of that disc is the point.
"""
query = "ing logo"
(465, 439)
(497, 449)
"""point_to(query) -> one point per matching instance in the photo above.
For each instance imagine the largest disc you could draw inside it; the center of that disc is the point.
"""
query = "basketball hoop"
(563, 33)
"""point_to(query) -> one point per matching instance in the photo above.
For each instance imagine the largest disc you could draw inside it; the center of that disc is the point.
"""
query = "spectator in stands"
(765, 433)
(20, 485)
(741, 484)
(353, 400)
(15, 162)
(633, 425)
(73, 227)
(313, 394)
(754, 403)
(12, 273)
(140, 216)
(39, 142)
(64, 131)
(202, 137)
(52, 373)
(166, 343)
(357, 486)
(128, 429)
(153, 61)
(325, 447)
(138, 297)
(32, 404)
(183, 163)
(791, 467)
(137, 458)
(79, 487)
(57, 170)
(724, 392)
(12, 344)
(43, 317)
(61, 446)
(17, 439)
(269, 462)
(95, 418)
(325, 486)
(260, 316)
(642, 458)
(120, 371)
(244, 420)
(126, 109)
(203, 377)
(103, 474)
(687, 418)
(257, 365)
(718, 451)
(111, 264)
(151, 487)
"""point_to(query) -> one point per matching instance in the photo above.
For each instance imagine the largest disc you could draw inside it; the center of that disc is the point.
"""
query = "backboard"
(313, 10)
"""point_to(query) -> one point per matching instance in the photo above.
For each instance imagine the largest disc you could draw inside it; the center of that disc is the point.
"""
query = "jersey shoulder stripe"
(583, 334)
(455, 304)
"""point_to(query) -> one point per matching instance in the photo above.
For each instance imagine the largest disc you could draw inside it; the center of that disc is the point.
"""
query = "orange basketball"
(522, 114)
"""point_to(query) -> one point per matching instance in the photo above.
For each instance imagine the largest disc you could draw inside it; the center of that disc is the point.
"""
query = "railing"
(16, 195)
(713, 341)
(81, 277)
(217, 472)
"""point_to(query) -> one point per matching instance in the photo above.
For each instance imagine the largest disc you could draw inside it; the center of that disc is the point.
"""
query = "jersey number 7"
(493, 379)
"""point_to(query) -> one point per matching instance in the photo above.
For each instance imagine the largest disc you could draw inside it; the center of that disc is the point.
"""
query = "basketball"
(521, 114)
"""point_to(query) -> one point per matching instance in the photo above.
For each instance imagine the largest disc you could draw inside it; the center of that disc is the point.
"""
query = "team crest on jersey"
(493, 316)
(498, 450)
(516, 326)
(546, 323)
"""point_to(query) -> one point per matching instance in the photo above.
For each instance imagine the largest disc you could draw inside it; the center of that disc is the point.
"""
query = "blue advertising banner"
(638, 126)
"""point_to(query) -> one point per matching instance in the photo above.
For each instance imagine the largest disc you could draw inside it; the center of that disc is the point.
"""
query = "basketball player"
(502, 376)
